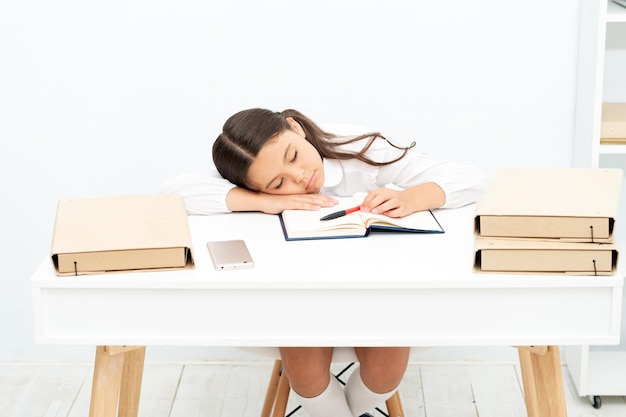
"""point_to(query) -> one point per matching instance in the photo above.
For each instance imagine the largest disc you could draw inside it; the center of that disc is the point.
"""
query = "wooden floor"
(237, 390)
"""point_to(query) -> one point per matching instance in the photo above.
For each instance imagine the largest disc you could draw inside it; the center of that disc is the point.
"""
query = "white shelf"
(613, 149)
(596, 15)
(615, 12)
(599, 370)
(596, 372)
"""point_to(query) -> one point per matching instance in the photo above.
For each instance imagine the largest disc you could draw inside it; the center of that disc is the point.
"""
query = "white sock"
(360, 398)
(330, 403)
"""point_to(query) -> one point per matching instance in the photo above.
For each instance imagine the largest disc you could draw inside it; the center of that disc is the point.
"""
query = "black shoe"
(366, 415)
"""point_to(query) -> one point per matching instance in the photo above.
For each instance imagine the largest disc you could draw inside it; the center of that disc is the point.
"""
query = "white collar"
(333, 173)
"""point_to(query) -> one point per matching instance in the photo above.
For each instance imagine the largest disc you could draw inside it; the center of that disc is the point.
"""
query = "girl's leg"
(380, 372)
(308, 370)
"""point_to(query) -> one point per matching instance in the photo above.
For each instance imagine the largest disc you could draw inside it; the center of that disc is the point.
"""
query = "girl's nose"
(298, 174)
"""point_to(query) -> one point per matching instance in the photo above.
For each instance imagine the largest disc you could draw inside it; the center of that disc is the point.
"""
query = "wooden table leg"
(117, 375)
(542, 377)
(132, 376)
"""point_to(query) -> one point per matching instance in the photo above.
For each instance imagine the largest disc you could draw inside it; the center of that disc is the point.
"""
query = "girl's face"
(287, 164)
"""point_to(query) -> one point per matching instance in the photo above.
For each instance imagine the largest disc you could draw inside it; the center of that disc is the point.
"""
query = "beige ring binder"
(121, 233)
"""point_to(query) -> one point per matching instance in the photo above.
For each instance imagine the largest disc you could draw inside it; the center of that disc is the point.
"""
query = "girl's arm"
(202, 193)
(421, 183)
(461, 184)
(210, 194)
(240, 199)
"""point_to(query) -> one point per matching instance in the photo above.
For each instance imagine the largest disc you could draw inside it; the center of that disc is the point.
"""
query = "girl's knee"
(308, 369)
(383, 372)
(382, 378)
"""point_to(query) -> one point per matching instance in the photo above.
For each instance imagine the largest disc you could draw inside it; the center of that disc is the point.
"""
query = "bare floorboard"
(238, 390)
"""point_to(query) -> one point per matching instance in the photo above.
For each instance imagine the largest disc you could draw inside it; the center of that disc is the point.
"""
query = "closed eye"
(295, 156)
(280, 183)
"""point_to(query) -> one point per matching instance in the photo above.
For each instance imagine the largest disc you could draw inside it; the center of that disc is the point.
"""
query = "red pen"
(340, 213)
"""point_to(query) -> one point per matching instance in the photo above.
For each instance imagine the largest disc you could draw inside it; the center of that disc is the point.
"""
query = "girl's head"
(270, 152)
(282, 153)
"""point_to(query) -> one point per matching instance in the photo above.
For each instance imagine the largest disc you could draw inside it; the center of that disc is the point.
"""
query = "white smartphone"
(230, 254)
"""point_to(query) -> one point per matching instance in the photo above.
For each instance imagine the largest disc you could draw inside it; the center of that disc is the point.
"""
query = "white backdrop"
(114, 97)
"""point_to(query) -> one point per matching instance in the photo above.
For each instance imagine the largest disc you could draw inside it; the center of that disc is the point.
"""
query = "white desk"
(410, 290)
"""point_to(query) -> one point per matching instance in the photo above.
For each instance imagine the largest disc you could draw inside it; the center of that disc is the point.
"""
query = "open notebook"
(303, 224)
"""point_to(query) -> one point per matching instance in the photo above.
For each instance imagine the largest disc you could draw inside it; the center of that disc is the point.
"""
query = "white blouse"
(462, 184)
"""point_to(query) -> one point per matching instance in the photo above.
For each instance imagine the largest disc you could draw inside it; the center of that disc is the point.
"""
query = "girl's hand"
(239, 199)
(400, 203)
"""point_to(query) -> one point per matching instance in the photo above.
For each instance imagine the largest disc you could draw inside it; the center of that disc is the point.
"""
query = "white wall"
(114, 97)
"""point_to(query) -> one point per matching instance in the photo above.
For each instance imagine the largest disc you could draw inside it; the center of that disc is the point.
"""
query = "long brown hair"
(246, 132)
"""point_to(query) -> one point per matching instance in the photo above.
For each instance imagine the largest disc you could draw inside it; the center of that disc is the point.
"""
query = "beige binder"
(613, 127)
(546, 257)
(570, 204)
(121, 233)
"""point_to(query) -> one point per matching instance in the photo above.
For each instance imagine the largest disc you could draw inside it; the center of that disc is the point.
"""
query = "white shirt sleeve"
(202, 193)
(462, 184)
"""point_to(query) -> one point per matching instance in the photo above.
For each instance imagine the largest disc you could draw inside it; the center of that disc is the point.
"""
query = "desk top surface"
(382, 260)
